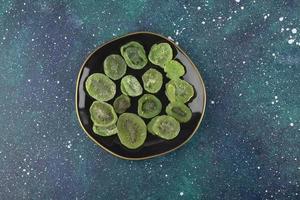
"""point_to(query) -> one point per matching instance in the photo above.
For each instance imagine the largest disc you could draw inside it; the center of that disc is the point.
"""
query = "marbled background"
(248, 146)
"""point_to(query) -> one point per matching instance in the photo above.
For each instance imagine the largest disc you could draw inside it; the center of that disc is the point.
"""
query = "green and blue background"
(248, 145)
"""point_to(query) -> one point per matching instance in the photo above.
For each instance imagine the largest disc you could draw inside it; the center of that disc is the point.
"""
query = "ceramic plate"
(153, 145)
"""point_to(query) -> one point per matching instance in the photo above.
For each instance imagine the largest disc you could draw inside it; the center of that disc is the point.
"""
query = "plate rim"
(156, 155)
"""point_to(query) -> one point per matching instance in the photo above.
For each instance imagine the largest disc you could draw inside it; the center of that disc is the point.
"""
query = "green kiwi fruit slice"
(132, 130)
(149, 106)
(152, 80)
(100, 87)
(179, 111)
(114, 66)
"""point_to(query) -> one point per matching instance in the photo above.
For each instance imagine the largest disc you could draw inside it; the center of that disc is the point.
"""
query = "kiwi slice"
(160, 54)
(149, 106)
(102, 114)
(165, 127)
(105, 131)
(114, 66)
(179, 111)
(152, 80)
(174, 69)
(134, 55)
(132, 130)
(179, 90)
(121, 103)
(131, 86)
(100, 87)
(150, 125)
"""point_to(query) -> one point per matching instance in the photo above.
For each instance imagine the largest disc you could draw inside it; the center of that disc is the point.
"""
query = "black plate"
(153, 145)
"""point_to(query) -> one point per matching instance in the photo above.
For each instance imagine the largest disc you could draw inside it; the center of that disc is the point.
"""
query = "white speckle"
(170, 38)
(181, 193)
(198, 8)
(238, 1)
(203, 22)
(276, 97)
(29, 80)
(240, 94)
(272, 102)
(258, 167)
(65, 37)
(212, 102)
(292, 124)
(242, 7)
(32, 39)
(177, 32)
(294, 30)
(282, 29)
(287, 29)
(291, 41)
(281, 19)
(244, 62)
(166, 175)
(57, 82)
(273, 54)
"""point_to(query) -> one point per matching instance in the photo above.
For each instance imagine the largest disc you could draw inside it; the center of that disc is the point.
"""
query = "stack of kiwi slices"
(110, 112)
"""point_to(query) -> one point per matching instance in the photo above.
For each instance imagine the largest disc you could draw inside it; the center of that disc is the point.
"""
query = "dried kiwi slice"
(100, 87)
(150, 125)
(149, 106)
(134, 55)
(152, 80)
(121, 103)
(132, 130)
(174, 69)
(179, 90)
(160, 54)
(179, 111)
(105, 131)
(102, 114)
(166, 127)
(131, 86)
(114, 66)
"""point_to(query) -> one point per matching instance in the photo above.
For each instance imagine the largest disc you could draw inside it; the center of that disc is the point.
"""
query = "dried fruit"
(131, 86)
(134, 55)
(160, 54)
(179, 111)
(121, 103)
(149, 106)
(100, 87)
(152, 80)
(102, 114)
(114, 66)
(132, 130)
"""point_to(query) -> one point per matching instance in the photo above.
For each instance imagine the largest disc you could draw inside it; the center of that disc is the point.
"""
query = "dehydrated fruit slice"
(132, 130)
(131, 86)
(150, 125)
(179, 90)
(134, 55)
(179, 111)
(160, 54)
(114, 66)
(174, 69)
(102, 114)
(152, 80)
(121, 103)
(100, 87)
(166, 127)
(105, 131)
(149, 106)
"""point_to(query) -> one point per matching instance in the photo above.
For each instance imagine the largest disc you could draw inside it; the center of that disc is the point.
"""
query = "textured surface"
(248, 146)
